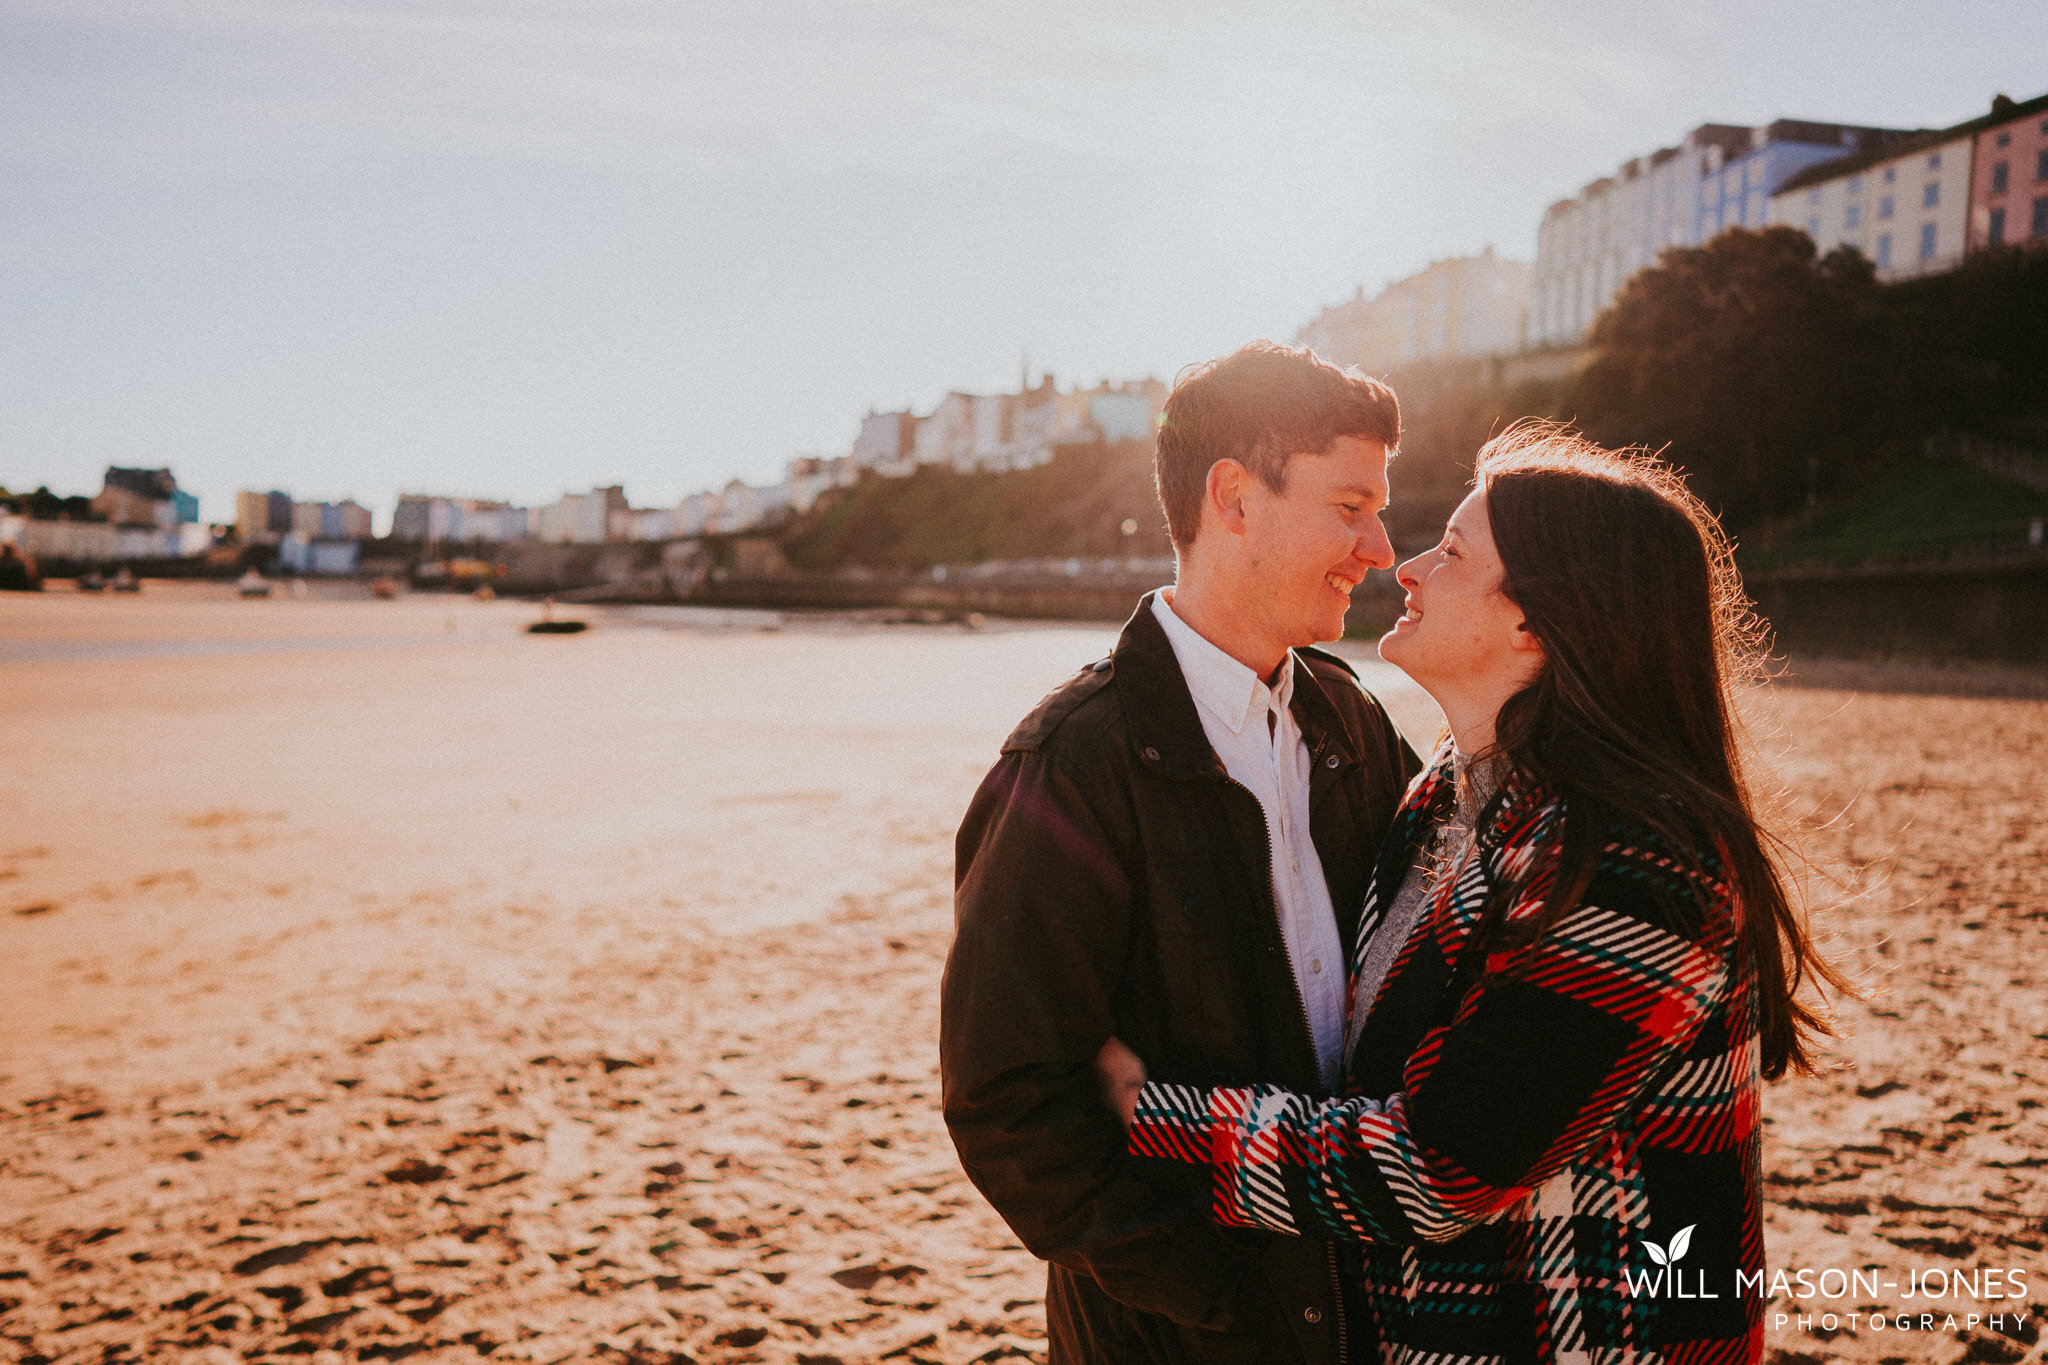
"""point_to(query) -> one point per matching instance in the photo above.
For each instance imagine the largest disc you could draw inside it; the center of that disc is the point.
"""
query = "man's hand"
(1122, 1075)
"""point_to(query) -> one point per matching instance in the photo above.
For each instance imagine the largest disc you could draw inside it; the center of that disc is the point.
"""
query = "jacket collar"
(1159, 710)
(1221, 685)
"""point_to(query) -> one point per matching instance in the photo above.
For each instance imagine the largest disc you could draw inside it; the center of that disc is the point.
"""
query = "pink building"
(2009, 176)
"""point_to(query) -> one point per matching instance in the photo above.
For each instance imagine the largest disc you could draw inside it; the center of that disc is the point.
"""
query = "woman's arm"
(1535, 1067)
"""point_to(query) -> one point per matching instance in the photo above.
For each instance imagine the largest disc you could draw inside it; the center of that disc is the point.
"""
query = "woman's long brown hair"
(1626, 580)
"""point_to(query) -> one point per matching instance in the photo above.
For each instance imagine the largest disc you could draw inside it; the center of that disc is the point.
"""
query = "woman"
(1547, 1146)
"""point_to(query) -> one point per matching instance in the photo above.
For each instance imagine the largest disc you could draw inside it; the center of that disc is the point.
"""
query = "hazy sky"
(344, 247)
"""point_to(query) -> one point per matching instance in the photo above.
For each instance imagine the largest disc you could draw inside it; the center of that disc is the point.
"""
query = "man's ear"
(1224, 493)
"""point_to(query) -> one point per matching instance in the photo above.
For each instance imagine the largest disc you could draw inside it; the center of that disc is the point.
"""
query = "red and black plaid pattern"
(1510, 1137)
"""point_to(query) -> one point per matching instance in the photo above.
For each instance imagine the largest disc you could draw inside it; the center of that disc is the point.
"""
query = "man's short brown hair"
(1260, 405)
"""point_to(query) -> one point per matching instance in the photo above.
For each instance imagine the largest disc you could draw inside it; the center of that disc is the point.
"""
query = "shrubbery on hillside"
(1782, 382)
(1787, 386)
(1076, 505)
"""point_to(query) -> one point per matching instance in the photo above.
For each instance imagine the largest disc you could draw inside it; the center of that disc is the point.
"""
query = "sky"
(346, 248)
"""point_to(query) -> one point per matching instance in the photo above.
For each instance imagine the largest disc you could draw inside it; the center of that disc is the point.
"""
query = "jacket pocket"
(1207, 1027)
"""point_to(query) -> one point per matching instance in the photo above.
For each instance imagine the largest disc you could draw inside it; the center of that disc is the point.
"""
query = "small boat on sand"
(548, 625)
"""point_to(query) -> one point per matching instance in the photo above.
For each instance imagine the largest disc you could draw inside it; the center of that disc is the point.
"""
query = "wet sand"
(384, 982)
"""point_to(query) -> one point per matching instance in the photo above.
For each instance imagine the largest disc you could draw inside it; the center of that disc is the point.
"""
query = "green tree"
(1767, 374)
(1979, 338)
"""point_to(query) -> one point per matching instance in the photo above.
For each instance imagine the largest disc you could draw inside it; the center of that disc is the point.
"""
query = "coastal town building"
(263, 518)
(144, 497)
(1463, 306)
(101, 542)
(885, 443)
(582, 518)
(1905, 206)
(946, 436)
(462, 521)
(1719, 177)
(1007, 431)
(344, 520)
(810, 477)
(2009, 176)
(739, 507)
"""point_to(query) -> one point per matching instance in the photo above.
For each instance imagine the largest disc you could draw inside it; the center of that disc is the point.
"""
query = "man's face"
(1308, 547)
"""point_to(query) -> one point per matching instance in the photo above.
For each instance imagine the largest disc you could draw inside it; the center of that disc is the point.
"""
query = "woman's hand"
(1122, 1075)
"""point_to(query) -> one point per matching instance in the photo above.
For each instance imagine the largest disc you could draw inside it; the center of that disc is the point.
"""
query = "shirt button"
(1316, 965)
(1311, 1315)
(1331, 761)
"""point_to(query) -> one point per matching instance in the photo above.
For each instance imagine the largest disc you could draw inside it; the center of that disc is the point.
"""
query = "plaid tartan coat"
(1508, 1142)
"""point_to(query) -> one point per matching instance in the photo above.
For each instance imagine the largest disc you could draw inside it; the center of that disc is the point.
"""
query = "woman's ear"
(1521, 641)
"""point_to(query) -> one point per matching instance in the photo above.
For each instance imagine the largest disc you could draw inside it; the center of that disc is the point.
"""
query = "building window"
(1884, 250)
(1853, 219)
(1934, 161)
(1997, 230)
(1813, 228)
(1813, 195)
(1855, 184)
(2041, 165)
(1891, 173)
(2040, 228)
(1931, 197)
(2005, 139)
(1884, 207)
(1998, 175)
(1927, 242)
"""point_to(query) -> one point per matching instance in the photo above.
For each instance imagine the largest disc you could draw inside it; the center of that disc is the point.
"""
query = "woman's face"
(1461, 636)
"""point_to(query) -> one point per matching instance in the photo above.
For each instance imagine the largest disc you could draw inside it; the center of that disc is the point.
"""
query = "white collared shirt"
(1254, 733)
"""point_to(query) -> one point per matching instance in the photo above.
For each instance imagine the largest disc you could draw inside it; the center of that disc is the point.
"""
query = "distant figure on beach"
(1174, 848)
(1578, 959)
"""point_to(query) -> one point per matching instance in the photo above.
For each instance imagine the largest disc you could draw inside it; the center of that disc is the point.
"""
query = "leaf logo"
(1681, 1241)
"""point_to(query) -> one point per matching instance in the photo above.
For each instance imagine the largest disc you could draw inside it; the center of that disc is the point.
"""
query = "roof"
(2001, 113)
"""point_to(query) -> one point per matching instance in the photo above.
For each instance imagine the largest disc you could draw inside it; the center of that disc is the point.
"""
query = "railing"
(1984, 544)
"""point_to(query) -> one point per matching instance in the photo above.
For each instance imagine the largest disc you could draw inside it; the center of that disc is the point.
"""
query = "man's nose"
(1374, 547)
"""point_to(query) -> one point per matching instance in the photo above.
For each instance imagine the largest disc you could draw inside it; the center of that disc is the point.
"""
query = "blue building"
(1737, 192)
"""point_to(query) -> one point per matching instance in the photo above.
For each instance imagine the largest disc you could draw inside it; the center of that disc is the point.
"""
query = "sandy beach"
(383, 982)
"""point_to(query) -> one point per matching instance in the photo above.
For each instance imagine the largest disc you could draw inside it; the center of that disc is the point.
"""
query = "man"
(1173, 849)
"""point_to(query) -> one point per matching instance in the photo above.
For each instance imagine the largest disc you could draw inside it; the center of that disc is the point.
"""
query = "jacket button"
(1151, 755)
(1311, 1315)
(1332, 761)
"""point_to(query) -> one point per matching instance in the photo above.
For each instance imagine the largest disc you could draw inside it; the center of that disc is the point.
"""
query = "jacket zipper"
(1309, 1034)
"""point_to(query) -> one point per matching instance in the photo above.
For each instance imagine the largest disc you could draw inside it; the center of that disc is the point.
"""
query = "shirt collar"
(1227, 689)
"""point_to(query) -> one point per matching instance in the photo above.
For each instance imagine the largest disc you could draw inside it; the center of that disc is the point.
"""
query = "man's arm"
(1044, 923)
